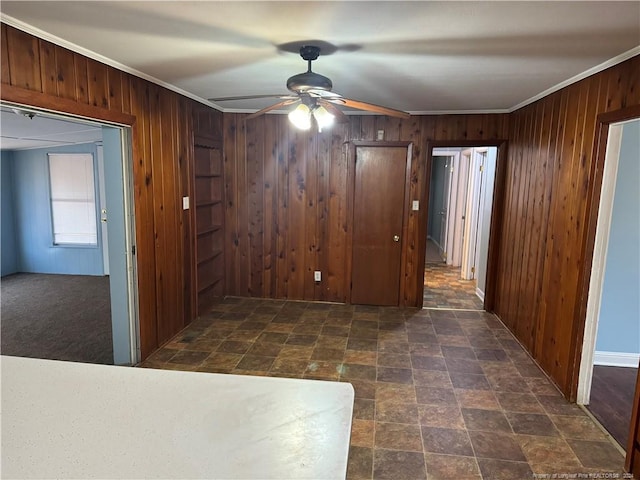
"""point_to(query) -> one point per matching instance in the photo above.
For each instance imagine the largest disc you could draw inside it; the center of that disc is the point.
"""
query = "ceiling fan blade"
(250, 97)
(271, 107)
(369, 107)
(335, 111)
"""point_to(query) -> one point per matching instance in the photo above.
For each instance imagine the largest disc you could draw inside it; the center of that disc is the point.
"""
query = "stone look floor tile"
(487, 420)
(440, 416)
(579, 428)
(504, 470)
(483, 399)
(519, 402)
(435, 396)
(552, 450)
(447, 441)
(440, 389)
(398, 465)
(362, 433)
(452, 467)
(499, 446)
(397, 436)
(360, 466)
(532, 424)
(391, 392)
(597, 454)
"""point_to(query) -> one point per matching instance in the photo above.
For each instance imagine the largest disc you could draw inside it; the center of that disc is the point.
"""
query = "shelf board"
(210, 285)
(215, 228)
(208, 204)
(208, 175)
(208, 258)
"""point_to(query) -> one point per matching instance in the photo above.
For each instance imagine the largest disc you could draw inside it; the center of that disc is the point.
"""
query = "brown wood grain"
(5, 73)
(379, 204)
(24, 60)
(65, 74)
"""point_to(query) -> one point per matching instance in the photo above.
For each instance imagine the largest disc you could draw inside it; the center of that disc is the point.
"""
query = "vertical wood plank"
(24, 60)
(5, 74)
(255, 187)
(296, 214)
(82, 79)
(143, 199)
(65, 73)
(48, 68)
(98, 84)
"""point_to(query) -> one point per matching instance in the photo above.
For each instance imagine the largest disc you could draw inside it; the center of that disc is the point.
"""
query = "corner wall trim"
(616, 359)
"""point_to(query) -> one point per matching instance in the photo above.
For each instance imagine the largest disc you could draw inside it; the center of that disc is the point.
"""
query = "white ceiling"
(422, 57)
(19, 130)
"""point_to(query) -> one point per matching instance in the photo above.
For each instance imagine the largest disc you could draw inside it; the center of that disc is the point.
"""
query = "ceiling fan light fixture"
(300, 117)
(323, 117)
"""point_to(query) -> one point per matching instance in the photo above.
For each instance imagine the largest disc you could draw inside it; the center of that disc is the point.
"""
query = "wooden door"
(378, 213)
(209, 218)
(632, 463)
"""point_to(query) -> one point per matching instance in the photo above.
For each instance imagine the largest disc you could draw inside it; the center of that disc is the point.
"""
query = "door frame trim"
(126, 123)
(351, 191)
(496, 214)
(596, 174)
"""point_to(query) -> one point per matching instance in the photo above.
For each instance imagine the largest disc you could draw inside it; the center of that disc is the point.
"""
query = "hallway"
(443, 288)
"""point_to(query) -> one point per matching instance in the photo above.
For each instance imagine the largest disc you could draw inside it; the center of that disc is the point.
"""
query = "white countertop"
(75, 420)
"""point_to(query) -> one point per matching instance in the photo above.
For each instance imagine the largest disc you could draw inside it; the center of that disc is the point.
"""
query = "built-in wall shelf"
(209, 219)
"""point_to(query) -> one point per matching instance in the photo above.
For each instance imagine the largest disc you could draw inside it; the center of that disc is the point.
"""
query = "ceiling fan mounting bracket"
(309, 52)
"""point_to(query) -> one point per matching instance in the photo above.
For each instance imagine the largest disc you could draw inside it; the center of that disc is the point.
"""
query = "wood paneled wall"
(38, 73)
(287, 199)
(550, 172)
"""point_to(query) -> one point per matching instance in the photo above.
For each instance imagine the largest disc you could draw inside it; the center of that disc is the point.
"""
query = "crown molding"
(14, 22)
(581, 76)
(25, 27)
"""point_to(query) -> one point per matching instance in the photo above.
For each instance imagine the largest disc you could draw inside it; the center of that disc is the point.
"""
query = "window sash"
(73, 203)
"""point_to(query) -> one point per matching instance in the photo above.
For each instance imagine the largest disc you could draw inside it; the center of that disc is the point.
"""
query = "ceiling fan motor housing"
(306, 81)
(309, 80)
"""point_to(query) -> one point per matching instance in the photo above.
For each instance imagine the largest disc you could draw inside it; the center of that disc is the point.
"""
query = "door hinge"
(133, 249)
(482, 168)
(473, 269)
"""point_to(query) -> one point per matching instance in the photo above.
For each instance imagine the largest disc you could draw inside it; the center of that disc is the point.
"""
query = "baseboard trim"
(480, 294)
(616, 359)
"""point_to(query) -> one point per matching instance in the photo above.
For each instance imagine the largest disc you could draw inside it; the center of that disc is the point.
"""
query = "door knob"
(396, 238)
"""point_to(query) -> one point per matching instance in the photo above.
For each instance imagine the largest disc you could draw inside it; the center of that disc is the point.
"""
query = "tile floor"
(439, 394)
(443, 288)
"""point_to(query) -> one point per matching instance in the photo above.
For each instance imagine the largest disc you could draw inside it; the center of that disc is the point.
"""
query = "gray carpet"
(58, 317)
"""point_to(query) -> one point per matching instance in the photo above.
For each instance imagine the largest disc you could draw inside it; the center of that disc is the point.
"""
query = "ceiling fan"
(313, 92)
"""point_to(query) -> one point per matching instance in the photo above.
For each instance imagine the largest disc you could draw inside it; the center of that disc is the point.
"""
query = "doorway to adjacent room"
(458, 227)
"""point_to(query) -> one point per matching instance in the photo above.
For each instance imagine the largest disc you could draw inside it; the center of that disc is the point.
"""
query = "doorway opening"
(461, 190)
(69, 290)
(611, 348)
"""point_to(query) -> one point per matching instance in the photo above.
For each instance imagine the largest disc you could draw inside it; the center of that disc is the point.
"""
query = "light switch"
(380, 135)
(185, 203)
(415, 206)
(317, 276)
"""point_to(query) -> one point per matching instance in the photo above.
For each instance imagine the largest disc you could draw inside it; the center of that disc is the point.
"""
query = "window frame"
(53, 242)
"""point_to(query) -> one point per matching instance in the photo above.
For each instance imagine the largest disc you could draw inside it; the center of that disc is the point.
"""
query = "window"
(73, 203)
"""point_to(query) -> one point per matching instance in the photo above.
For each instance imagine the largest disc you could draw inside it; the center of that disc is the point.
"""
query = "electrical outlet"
(415, 206)
(317, 276)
